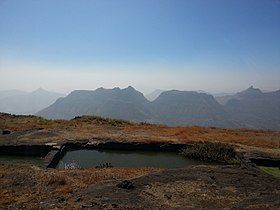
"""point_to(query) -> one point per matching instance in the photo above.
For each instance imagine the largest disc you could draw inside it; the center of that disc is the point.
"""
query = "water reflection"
(117, 158)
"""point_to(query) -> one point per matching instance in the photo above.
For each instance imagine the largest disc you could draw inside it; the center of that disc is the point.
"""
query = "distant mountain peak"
(250, 91)
(39, 90)
(27, 102)
(251, 88)
(130, 88)
(126, 103)
(100, 89)
(116, 88)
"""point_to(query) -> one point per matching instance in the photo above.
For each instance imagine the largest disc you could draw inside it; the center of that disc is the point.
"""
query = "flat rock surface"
(209, 187)
(194, 187)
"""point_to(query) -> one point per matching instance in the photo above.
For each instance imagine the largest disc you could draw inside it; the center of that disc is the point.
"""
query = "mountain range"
(20, 102)
(250, 108)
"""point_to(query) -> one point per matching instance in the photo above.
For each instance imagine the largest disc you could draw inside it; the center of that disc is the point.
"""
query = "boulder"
(126, 185)
(6, 132)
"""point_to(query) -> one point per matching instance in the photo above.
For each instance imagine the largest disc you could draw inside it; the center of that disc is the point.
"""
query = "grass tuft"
(57, 180)
(211, 152)
(275, 171)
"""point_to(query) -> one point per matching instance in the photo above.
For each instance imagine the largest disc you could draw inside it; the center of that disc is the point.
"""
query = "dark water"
(93, 158)
(10, 159)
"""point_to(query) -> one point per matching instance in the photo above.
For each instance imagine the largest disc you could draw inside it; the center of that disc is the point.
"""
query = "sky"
(216, 46)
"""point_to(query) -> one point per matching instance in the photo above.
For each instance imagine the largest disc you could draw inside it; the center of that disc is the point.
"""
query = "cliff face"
(127, 104)
(190, 108)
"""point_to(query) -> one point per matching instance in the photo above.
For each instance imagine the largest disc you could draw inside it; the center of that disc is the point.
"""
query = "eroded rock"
(126, 185)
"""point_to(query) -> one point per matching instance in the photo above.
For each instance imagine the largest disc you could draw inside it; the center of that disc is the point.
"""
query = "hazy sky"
(217, 45)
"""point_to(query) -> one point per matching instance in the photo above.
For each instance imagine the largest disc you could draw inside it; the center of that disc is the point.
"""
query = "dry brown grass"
(26, 185)
(38, 130)
(56, 180)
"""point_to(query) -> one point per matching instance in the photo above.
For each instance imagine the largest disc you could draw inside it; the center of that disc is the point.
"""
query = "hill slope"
(9, 93)
(127, 104)
(255, 109)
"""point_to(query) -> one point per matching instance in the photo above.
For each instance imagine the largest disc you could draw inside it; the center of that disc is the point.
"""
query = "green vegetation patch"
(211, 152)
(101, 120)
(275, 171)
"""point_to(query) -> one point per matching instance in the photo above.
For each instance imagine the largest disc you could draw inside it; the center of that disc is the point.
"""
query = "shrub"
(101, 120)
(212, 152)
